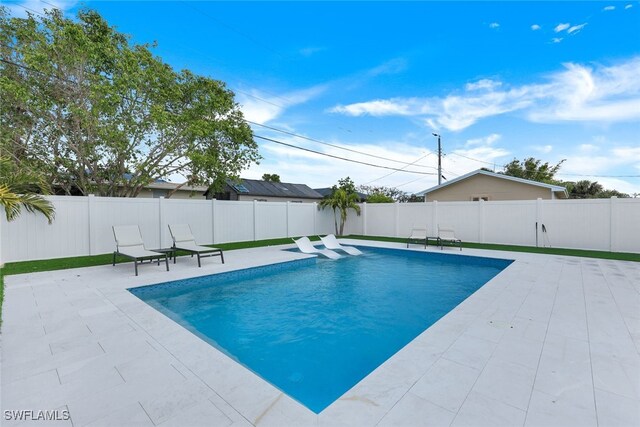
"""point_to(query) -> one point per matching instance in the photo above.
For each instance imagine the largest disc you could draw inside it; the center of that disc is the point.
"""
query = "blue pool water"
(314, 328)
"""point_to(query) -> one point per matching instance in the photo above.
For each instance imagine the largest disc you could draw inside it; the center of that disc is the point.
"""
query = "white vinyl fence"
(83, 224)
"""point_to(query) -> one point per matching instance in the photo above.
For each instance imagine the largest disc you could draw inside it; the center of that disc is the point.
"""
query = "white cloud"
(629, 6)
(380, 107)
(485, 141)
(556, 40)
(310, 50)
(544, 149)
(609, 8)
(535, 27)
(576, 28)
(393, 66)
(561, 27)
(262, 107)
(483, 84)
(494, 25)
(588, 148)
(577, 93)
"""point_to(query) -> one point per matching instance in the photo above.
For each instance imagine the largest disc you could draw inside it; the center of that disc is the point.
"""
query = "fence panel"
(579, 224)
(509, 222)
(109, 211)
(324, 222)
(233, 221)
(32, 237)
(197, 213)
(626, 226)
(301, 221)
(381, 219)
(412, 215)
(271, 220)
(463, 217)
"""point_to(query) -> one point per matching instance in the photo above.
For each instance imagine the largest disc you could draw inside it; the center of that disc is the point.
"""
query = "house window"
(478, 198)
(159, 193)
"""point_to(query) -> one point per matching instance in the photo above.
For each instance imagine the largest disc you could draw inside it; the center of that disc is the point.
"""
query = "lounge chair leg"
(114, 259)
(199, 265)
(166, 261)
(135, 265)
(222, 257)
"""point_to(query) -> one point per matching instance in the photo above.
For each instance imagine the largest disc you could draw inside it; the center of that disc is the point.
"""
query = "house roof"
(164, 185)
(554, 188)
(255, 187)
(328, 190)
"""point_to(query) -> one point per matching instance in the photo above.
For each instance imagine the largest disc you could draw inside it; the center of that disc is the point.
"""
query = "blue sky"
(498, 80)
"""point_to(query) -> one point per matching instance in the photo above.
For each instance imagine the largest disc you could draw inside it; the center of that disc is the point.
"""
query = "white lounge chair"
(305, 246)
(418, 235)
(183, 240)
(129, 244)
(330, 242)
(446, 234)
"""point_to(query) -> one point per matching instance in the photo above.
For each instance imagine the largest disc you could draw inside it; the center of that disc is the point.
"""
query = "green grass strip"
(620, 256)
(105, 259)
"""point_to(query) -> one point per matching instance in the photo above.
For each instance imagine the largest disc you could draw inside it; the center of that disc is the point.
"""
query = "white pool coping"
(551, 340)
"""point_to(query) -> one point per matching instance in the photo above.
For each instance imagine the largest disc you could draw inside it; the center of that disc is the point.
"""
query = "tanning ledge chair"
(305, 246)
(446, 234)
(330, 242)
(418, 235)
(129, 244)
(183, 239)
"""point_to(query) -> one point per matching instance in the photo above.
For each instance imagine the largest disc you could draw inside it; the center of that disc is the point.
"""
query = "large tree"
(98, 114)
(533, 169)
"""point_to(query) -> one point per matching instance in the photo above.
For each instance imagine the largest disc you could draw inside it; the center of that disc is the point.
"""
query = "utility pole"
(439, 159)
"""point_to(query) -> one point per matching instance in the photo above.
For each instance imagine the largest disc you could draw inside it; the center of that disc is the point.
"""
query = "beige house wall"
(148, 194)
(491, 187)
(275, 199)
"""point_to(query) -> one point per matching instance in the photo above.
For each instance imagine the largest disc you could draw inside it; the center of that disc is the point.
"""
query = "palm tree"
(341, 201)
(19, 189)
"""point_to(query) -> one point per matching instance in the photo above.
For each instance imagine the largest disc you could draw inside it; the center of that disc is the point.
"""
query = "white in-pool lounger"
(330, 242)
(129, 244)
(183, 240)
(305, 246)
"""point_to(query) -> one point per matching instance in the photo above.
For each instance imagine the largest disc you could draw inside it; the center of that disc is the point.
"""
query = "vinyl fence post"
(315, 218)
(364, 219)
(435, 218)
(539, 217)
(255, 219)
(161, 220)
(91, 215)
(213, 221)
(481, 221)
(287, 216)
(613, 216)
(397, 219)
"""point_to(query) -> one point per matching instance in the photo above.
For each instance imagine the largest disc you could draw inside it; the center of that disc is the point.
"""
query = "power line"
(337, 146)
(396, 171)
(341, 158)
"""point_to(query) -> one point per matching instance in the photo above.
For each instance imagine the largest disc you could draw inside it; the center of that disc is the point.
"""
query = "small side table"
(171, 253)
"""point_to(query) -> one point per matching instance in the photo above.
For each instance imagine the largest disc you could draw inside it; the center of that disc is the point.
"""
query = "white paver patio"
(551, 340)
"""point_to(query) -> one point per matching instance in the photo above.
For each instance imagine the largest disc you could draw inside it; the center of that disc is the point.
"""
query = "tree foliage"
(20, 188)
(271, 177)
(391, 194)
(340, 202)
(379, 198)
(97, 114)
(586, 189)
(533, 169)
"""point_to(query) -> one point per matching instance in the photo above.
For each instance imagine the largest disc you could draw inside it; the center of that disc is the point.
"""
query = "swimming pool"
(314, 328)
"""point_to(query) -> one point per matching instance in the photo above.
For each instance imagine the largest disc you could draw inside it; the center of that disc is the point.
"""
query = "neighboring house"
(266, 191)
(328, 190)
(485, 185)
(162, 188)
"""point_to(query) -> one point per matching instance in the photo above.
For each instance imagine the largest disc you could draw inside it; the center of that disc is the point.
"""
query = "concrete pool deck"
(552, 340)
